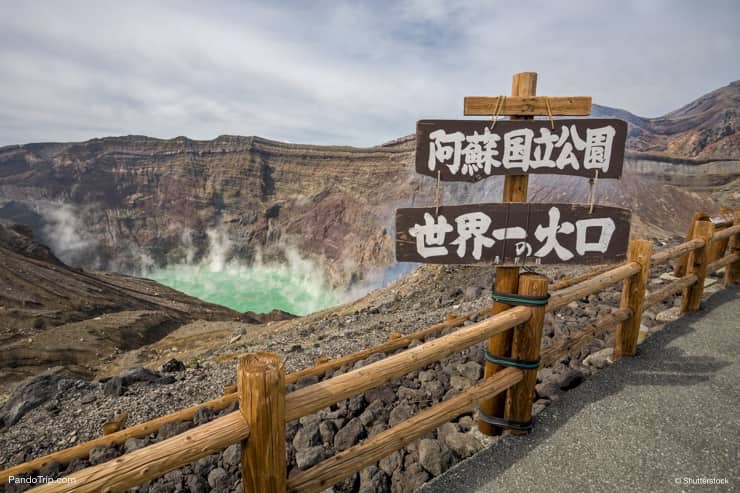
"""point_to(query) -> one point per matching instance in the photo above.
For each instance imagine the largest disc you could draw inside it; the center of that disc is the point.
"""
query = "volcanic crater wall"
(125, 203)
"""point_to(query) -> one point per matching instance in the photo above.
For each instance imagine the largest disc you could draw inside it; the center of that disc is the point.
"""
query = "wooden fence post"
(732, 271)
(507, 278)
(525, 346)
(261, 387)
(697, 264)
(633, 297)
(680, 268)
(717, 248)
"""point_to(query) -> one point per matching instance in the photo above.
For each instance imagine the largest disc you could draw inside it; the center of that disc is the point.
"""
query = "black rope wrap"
(514, 363)
(505, 423)
(520, 299)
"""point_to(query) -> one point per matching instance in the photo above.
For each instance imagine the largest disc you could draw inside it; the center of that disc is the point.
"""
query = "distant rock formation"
(261, 318)
(706, 128)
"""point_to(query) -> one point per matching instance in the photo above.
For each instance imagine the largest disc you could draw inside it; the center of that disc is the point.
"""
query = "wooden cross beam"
(528, 105)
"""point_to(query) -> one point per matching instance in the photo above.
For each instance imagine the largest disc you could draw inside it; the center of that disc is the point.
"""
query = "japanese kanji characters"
(475, 232)
(431, 233)
(549, 235)
(521, 149)
(473, 225)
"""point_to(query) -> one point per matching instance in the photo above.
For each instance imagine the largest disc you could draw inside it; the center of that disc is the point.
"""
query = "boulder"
(462, 445)
(349, 435)
(599, 359)
(172, 366)
(310, 456)
(410, 479)
(374, 480)
(470, 370)
(31, 393)
(391, 462)
(113, 387)
(383, 392)
(100, 454)
(570, 378)
(203, 416)
(307, 436)
(327, 430)
(548, 390)
(374, 411)
(233, 456)
(196, 484)
(168, 430)
(433, 458)
(218, 479)
(400, 413)
(445, 430)
(132, 444)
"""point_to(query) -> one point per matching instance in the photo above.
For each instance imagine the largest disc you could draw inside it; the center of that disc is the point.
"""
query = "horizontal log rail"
(570, 281)
(370, 451)
(655, 297)
(593, 285)
(723, 262)
(574, 342)
(670, 253)
(726, 232)
(385, 347)
(155, 460)
(315, 397)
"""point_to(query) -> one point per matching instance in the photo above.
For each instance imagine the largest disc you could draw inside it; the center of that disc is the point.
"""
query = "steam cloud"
(64, 234)
(278, 277)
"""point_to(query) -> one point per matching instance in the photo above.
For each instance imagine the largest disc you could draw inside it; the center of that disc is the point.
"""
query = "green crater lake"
(258, 288)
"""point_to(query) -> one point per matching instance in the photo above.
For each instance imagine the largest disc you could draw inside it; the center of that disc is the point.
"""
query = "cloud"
(356, 73)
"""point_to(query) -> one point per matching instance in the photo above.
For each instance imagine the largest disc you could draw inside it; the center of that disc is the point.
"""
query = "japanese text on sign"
(512, 233)
(471, 150)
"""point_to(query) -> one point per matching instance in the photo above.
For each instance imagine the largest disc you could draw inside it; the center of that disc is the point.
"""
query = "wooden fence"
(264, 406)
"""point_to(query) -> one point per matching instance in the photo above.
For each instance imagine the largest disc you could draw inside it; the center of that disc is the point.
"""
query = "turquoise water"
(260, 288)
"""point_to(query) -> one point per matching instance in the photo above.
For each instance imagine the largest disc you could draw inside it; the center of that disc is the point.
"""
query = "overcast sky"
(355, 73)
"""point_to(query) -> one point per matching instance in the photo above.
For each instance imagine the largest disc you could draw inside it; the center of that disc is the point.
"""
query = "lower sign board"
(512, 234)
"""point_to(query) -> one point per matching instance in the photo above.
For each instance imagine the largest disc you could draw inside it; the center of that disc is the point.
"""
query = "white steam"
(65, 234)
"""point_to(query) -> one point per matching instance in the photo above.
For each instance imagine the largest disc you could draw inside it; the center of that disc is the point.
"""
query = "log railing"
(264, 408)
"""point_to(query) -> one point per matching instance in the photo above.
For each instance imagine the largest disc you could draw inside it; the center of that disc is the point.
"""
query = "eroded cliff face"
(133, 197)
(123, 203)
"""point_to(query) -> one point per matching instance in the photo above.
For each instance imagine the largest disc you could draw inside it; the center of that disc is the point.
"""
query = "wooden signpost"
(511, 235)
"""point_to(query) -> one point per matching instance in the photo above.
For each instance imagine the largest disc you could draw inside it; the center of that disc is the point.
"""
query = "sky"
(345, 73)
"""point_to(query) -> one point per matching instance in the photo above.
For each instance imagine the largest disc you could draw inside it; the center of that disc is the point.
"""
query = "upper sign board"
(469, 150)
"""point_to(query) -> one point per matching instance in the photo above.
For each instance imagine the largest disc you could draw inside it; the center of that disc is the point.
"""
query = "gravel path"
(655, 423)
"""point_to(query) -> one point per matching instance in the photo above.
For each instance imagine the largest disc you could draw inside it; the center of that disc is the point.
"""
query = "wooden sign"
(469, 150)
(512, 234)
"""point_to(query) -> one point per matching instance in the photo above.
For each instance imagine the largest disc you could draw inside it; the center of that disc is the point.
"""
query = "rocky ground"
(52, 412)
